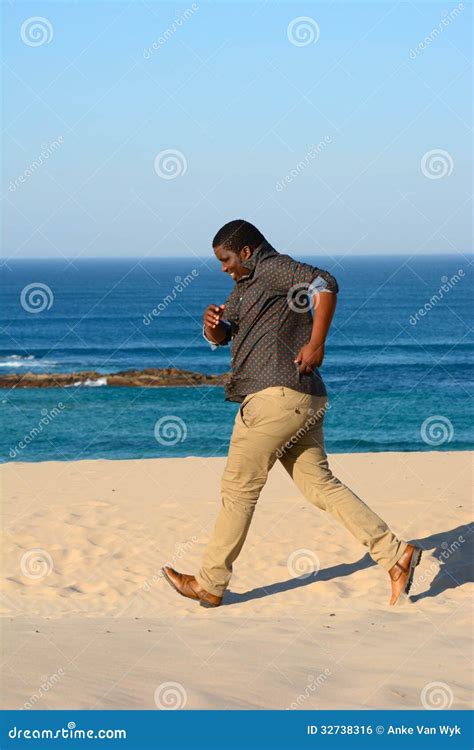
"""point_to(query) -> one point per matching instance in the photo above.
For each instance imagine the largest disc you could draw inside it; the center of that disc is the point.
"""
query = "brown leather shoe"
(187, 585)
(401, 573)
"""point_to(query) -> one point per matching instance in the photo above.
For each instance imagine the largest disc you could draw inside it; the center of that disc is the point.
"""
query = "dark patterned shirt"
(268, 317)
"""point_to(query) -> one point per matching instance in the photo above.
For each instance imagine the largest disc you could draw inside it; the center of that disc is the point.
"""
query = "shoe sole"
(415, 560)
(201, 602)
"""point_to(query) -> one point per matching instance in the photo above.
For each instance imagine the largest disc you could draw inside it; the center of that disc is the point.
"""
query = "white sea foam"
(16, 360)
(89, 383)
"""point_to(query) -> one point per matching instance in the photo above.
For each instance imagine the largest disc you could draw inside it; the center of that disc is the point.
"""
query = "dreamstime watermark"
(170, 31)
(181, 549)
(36, 297)
(46, 151)
(437, 696)
(303, 563)
(299, 299)
(170, 164)
(303, 31)
(314, 418)
(170, 696)
(170, 430)
(437, 430)
(36, 564)
(314, 683)
(36, 31)
(313, 152)
(180, 286)
(47, 684)
(71, 732)
(449, 17)
(49, 415)
(446, 286)
(447, 551)
(436, 164)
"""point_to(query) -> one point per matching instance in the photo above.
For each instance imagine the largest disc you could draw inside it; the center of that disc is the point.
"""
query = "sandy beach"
(88, 621)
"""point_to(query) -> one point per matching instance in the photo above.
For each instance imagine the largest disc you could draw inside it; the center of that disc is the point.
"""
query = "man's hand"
(309, 357)
(215, 330)
(212, 315)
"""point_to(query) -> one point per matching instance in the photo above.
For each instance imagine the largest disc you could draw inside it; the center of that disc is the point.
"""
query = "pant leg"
(263, 423)
(307, 464)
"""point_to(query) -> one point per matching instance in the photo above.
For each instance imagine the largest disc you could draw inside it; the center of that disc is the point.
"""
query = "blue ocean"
(397, 364)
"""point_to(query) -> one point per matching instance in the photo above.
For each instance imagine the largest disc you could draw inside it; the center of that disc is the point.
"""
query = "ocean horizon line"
(209, 256)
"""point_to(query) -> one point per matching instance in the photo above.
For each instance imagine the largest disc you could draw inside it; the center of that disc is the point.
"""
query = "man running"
(277, 346)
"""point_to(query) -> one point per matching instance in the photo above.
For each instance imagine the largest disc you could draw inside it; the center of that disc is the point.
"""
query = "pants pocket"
(261, 405)
(244, 412)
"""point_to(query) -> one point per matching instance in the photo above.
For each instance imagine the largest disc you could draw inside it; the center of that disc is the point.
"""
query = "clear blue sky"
(244, 105)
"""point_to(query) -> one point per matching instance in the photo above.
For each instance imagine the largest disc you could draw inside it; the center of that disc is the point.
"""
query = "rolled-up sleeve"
(317, 279)
(318, 285)
(228, 336)
(287, 274)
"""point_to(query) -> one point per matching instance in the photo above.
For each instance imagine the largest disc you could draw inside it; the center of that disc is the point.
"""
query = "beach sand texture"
(88, 621)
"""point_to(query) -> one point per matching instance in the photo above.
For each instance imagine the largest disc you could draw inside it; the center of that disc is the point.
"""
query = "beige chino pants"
(280, 423)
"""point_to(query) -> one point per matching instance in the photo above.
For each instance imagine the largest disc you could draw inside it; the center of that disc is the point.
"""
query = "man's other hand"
(309, 357)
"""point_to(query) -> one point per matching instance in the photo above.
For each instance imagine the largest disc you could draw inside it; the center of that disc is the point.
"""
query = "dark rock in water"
(149, 378)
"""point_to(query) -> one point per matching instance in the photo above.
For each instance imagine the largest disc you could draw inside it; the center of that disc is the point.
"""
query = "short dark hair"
(237, 234)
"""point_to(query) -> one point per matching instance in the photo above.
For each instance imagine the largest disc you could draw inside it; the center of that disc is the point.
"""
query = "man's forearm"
(311, 355)
(218, 333)
(324, 306)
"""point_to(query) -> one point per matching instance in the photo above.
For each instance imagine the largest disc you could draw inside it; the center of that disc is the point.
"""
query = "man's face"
(232, 263)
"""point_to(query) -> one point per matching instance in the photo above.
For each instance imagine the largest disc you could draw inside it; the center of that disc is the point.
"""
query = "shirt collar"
(262, 251)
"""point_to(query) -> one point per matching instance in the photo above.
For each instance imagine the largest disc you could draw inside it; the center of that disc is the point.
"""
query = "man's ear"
(246, 253)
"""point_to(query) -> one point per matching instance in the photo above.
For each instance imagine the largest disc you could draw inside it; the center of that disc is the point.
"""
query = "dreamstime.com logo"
(437, 430)
(298, 298)
(436, 164)
(448, 18)
(180, 285)
(303, 31)
(303, 164)
(303, 563)
(47, 684)
(313, 685)
(36, 31)
(448, 549)
(36, 297)
(170, 696)
(47, 417)
(170, 164)
(47, 150)
(170, 430)
(437, 696)
(180, 552)
(36, 564)
(314, 418)
(446, 286)
(71, 732)
(170, 31)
